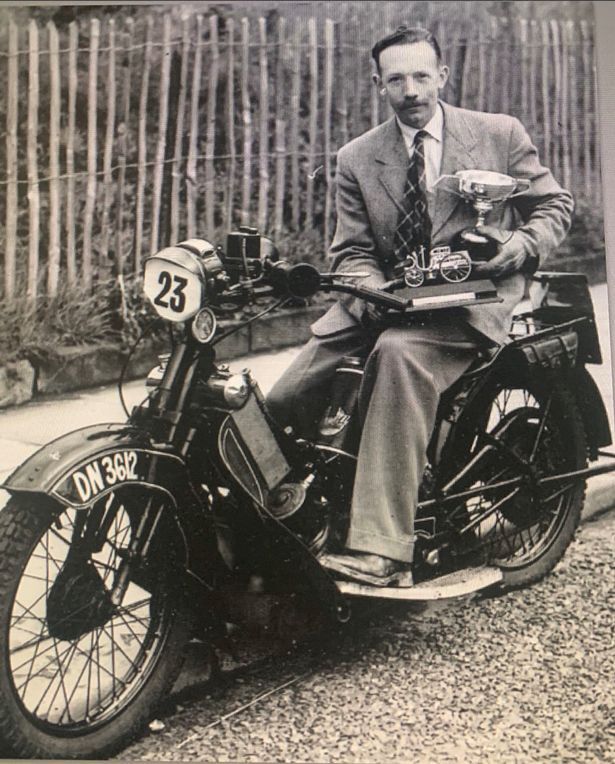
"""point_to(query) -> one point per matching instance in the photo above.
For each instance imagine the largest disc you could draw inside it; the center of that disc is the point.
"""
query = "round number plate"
(174, 291)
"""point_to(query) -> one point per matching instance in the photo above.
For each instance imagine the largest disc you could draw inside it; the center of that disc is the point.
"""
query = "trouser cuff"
(385, 546)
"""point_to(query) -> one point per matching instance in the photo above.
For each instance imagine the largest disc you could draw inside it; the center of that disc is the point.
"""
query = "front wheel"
(80, 674)
(522, 425)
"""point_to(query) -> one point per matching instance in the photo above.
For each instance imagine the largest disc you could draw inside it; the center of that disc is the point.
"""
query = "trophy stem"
(482, 214)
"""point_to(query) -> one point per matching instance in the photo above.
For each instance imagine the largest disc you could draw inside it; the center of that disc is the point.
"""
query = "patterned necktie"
(414, 225)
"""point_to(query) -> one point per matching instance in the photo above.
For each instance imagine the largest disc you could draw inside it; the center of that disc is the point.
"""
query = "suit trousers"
(406, 371)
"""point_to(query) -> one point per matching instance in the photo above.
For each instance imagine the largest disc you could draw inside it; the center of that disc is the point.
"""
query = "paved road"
(525, 677)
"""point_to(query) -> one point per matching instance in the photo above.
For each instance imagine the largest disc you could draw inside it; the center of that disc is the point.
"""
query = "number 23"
(177, 301)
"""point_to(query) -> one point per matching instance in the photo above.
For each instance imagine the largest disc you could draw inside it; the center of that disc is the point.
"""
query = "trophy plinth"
(483, 189)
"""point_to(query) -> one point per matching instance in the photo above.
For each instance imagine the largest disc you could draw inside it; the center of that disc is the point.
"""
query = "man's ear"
(444, 71)
(376, 79)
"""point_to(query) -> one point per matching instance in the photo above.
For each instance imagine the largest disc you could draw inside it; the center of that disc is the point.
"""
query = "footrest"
(457, 584)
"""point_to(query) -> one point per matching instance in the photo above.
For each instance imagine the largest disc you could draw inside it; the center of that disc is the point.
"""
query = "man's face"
(412, 78)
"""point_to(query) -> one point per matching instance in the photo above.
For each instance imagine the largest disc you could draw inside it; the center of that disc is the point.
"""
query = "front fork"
(137, 551)
(166, 413)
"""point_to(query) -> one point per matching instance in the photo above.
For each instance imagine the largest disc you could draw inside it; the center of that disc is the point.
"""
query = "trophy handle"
(452, 187)
(522, 186)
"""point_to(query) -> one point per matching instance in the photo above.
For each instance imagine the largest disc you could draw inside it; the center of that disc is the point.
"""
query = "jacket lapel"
(392, 158)
(458, 153)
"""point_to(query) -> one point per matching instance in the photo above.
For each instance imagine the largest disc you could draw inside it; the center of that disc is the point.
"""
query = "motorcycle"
(121, 542)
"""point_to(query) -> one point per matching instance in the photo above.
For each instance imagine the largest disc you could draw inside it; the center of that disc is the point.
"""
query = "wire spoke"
(67, 681)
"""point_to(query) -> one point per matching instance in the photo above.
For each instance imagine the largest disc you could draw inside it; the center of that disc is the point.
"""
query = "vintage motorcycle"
(120, 542)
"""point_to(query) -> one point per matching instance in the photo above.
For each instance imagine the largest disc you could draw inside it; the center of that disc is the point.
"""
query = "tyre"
(521, 424)
(79, 675)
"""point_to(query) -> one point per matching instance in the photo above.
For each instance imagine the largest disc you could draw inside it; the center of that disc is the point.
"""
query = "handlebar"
(304, 280)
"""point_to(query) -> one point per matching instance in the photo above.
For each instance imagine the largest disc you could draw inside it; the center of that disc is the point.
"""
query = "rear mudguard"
(516, 366)
(593, 411)
(90, 462)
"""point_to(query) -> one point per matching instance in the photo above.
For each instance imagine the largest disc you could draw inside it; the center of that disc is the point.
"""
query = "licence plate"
(101, 474)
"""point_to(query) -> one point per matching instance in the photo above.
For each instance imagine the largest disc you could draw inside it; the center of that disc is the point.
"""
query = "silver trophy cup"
(483, 189)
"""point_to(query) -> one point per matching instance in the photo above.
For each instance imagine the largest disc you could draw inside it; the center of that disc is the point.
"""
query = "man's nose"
(410, 88)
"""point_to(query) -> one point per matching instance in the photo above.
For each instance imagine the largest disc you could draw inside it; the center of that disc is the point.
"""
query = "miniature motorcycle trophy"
(443, 277)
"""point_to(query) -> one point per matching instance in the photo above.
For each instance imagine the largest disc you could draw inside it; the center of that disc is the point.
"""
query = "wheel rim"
(455, 268)
(83, 668)
(414, 277)
(520, 523)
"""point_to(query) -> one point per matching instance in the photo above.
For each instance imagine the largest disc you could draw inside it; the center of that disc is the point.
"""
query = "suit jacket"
(370, 180)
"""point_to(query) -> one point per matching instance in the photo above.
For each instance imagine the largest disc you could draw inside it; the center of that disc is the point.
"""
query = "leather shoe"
(369, 568)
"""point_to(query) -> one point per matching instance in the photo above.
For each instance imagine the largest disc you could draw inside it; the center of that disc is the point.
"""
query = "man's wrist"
(530, 264)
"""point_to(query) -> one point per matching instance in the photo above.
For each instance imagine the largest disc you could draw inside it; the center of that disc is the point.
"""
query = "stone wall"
(77, 368)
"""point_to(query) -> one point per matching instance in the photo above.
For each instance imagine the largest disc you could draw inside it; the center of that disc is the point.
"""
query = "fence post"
(342, 81)
(295, 97)
(179, 135)
(263, 134)
(33, 189)
(597, 186)
(360, 79)
(546, 99)
(191, 166)
(465, 79)
(587, 116)
(482, 64)
(572, 103)
(493, 68)
(127, 37)
(564, 118)
(105, 233)
(533, 43)
(12, 200)
(557, 101)
(280, 131)
(329, 42)
(523, 38)
(247, 122)
(230, 124)
(71, 258)
(90, 194)
(313, 123)
(163, 115)
(212, 87)
(142, 146)
(53, 265)
(374, 106)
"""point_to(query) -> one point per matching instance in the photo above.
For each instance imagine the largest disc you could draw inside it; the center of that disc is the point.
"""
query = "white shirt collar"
(434, 127)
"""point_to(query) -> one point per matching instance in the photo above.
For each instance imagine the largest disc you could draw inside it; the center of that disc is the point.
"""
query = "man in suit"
(387, 208)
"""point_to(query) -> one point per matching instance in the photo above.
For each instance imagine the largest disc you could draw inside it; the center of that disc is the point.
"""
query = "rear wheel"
(79, 675)
(530, 428)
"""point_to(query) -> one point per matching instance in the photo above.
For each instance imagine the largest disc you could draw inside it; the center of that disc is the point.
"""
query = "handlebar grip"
(385, 299)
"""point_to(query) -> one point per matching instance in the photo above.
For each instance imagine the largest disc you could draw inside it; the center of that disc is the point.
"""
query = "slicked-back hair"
(403, 35)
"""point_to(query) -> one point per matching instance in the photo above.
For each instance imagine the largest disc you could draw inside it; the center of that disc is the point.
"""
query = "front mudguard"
(88, 463)
(71, 471)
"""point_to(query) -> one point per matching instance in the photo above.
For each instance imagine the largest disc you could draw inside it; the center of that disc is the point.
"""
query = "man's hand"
(373, 313)
(510, 258)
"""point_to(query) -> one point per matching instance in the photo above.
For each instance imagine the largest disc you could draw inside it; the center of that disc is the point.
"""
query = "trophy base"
(471, 292)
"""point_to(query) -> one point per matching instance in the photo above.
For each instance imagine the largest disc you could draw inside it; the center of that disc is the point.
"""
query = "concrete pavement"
(24, 429)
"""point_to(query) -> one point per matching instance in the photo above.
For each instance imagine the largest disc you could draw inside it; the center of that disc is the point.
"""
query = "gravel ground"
(524, 677)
